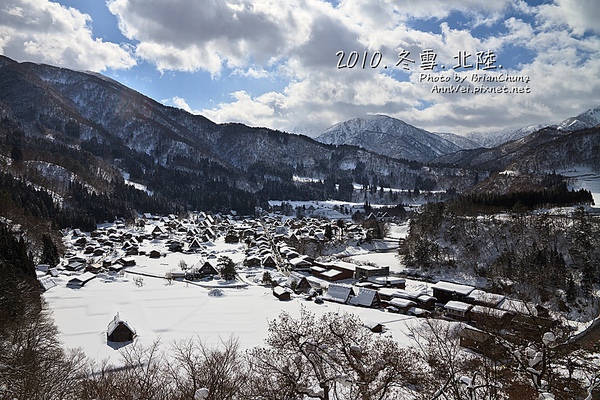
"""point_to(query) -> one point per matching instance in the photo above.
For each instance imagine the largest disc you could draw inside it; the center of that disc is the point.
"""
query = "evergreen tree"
(328, 232)
(50, 254)
(226, 268)
(266, 278)
(16, 153)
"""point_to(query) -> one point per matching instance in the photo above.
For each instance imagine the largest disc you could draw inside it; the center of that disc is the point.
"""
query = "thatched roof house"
(119, 330)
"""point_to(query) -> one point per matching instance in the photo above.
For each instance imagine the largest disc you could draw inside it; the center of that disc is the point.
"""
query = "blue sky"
(273, 63)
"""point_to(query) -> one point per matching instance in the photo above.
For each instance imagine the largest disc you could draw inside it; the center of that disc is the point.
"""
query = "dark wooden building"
(119, 330)
(448, 291)
(282, 293)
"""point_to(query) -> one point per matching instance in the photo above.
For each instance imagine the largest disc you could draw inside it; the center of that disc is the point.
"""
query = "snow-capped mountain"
(587, 119)
(463, 142)
(493, 139)
(388, 136)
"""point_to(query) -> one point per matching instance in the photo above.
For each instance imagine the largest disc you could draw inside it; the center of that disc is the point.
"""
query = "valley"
(131, 214)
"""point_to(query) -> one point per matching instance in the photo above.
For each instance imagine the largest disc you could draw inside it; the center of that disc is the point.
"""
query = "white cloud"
(580, 16)
(265, 110)
(43, 31)
(296, 42)
(252, 73)
(563, 83)
(209, 35)
(179, 102)
(378, 12)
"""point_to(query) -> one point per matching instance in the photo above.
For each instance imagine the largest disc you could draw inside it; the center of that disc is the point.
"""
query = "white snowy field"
(136, 185)
(324, 209)
(172, 312)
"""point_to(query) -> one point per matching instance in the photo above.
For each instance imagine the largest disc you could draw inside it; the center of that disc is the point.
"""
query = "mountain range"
(71, 126)
(91, 143)
(396, 138)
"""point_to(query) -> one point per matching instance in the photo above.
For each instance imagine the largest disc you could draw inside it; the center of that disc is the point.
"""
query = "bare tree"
(33, 363)
(220, 370)
(332, 357)
(450, 372)
(183, 265)
(143, 374)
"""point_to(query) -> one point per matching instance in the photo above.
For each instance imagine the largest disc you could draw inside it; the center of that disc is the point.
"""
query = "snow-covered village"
(165, 279)
(299, 200)
(218, 276)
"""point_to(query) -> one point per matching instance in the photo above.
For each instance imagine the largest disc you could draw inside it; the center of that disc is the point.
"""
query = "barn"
(365, 298)
(457, 310)
(207, 269)
(119, 330)
(338, 293)
(299, 283)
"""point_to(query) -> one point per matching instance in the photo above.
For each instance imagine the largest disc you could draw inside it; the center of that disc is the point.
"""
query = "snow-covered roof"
(371, 324)
(405, 294)
(425, 298)
(295, 277)
(42, 267)
(82, 279)
(365, 297)
(299, 262)
(492, 312)
(458, 306)
(453, 287)
(331, 273)
(112, 325)
(344, 265)
(279, 290)
(46, 282)
(383, 280)
(337, 293)
(402, 303)
(484, 297)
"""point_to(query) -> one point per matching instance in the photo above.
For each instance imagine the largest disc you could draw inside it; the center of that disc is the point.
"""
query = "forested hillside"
(539, 256)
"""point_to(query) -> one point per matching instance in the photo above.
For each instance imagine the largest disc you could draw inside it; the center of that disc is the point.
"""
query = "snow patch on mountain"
(583, 177)
(463, 142)
(136, 185)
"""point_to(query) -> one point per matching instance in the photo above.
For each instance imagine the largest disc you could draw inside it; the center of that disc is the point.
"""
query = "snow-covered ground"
(380, 252)
(326, 209)
(171, 312)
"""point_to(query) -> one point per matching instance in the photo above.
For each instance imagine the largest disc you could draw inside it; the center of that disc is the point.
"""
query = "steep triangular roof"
(365, 297)
(338, 293)
(112, 325)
